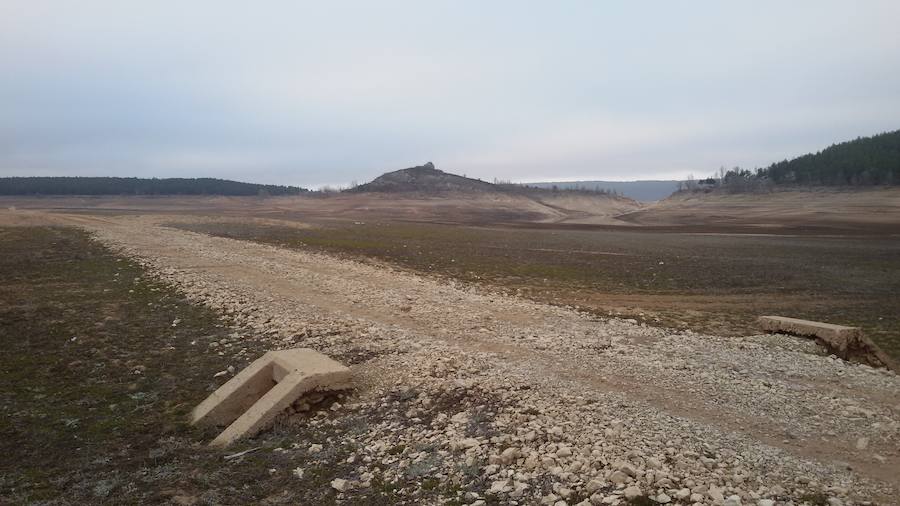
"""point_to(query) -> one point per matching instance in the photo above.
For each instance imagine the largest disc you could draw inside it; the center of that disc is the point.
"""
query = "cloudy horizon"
(309, 94)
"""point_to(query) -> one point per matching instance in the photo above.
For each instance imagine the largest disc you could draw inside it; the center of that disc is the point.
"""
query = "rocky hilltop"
(423, 191)
(426, 179)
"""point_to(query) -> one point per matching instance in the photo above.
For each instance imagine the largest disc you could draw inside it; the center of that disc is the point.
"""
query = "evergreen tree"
(864, 161)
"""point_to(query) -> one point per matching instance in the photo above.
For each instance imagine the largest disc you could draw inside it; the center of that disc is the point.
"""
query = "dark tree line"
(137, 186)
(580, 189)
(864, 161)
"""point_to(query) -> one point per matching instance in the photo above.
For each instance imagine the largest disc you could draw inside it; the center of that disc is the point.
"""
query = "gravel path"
(530, 403)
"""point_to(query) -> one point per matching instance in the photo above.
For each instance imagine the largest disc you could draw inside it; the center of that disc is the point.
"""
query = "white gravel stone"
(734, 500)
(340, 485)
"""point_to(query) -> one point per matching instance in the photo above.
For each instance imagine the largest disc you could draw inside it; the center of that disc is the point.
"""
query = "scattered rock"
(340, 485)
(734, 500)
(593, 486)
(499, 487)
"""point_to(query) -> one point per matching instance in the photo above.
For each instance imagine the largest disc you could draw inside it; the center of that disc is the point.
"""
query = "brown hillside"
(424, 179)
(856, 209)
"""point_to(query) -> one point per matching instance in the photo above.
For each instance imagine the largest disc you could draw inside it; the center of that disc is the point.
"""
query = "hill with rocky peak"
(424, 179)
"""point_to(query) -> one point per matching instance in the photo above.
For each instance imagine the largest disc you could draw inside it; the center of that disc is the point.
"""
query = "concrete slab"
(849, 343)
(808, 328)
(251, 400)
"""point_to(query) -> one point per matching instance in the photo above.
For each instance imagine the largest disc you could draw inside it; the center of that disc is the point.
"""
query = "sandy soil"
(875, 210)
(473, 208)
(826, 211)
(703, 416)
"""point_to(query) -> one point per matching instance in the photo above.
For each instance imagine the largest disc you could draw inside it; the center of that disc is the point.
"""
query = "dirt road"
(595, 406)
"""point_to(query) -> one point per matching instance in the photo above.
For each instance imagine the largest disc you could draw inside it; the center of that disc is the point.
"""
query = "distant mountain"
(425, 179)
(137, 186)
(645, 191)
(863, 161)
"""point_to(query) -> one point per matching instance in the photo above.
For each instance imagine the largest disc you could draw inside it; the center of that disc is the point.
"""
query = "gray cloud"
(324, 93)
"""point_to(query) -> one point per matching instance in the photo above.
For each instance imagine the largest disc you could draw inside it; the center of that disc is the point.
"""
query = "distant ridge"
(137, 186)
(425, 179)
(645, 191)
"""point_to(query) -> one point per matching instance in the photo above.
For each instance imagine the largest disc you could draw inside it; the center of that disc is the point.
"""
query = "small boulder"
(564, 452)
(632, 492)
(618, 477)
(593, 486)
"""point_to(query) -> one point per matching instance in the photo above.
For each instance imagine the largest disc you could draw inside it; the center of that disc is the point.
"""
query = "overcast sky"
(329, 92)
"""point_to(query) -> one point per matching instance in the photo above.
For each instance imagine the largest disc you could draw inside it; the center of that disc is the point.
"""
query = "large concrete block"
(849, 343)
(251, 400)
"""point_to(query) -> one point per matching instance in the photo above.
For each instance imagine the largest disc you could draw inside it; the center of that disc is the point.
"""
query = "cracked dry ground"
(504, 400)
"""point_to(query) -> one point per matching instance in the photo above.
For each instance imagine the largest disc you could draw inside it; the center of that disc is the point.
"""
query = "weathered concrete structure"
(250, 401)
(849, 343)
